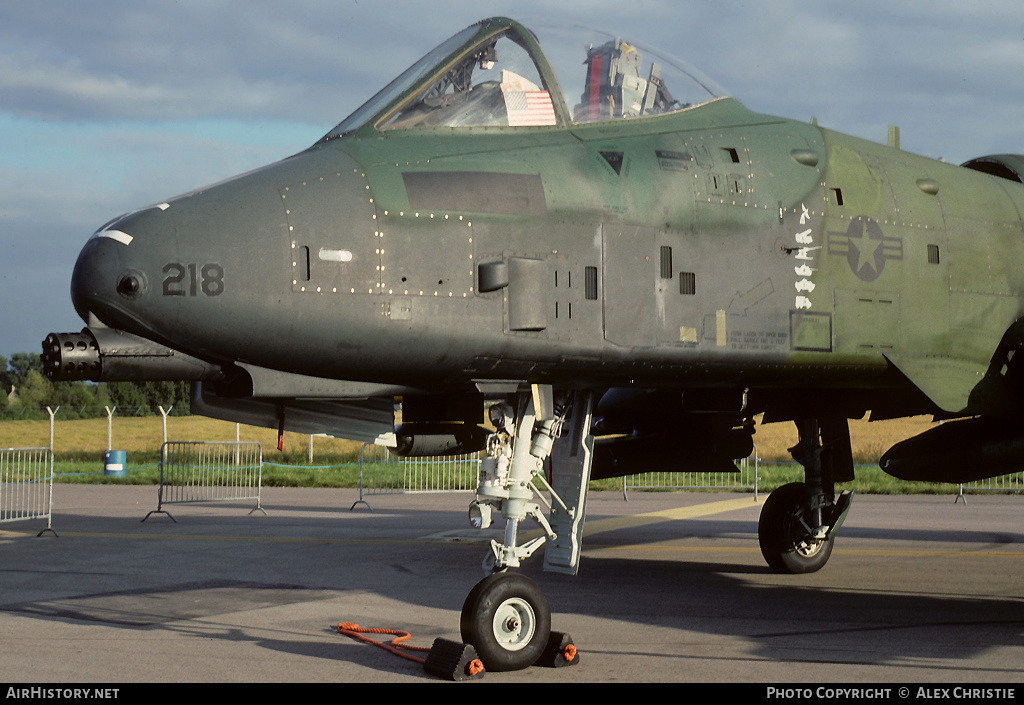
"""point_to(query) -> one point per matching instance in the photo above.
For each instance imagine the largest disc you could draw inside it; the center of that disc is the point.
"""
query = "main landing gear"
(799, 520)
(506, 617)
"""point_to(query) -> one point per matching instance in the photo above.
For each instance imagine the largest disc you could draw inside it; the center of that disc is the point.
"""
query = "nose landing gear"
(506, 617)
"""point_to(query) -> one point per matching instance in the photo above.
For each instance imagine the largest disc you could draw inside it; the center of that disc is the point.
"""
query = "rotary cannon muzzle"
(108, 355)
(71, 356)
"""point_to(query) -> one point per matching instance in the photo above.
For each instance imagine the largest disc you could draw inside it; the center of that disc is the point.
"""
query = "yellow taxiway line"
(598, 526)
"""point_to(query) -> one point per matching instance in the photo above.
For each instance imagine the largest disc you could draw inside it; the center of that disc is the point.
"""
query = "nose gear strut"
(506, 616)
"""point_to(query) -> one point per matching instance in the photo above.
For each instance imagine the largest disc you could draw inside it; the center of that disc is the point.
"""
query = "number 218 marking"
(189, 279)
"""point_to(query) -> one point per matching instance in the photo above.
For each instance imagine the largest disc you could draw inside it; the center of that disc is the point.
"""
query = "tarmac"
(671, 588)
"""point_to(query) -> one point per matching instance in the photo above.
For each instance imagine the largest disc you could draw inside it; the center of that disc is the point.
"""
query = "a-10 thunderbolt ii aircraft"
(615, 263)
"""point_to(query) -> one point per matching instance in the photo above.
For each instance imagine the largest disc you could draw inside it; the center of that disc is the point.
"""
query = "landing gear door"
(571, 458)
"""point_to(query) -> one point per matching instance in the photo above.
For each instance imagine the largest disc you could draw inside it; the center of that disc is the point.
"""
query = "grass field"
(81, 439)
(79, 446)
(87, 438)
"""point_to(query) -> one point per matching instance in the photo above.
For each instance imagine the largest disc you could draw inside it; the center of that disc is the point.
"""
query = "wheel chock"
(559, 652)
(453, 661)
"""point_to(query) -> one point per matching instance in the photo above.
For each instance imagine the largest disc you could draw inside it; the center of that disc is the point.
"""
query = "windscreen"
(496, 84)
(401, 84)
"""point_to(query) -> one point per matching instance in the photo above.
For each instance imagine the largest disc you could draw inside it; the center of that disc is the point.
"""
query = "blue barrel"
(114, 462)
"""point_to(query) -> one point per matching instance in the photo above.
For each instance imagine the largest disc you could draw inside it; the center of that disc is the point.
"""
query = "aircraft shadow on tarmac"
(831, 615)
(699, 527)
(746, 531)
(784, 617)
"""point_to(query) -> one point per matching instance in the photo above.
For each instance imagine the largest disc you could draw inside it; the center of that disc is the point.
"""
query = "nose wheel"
(507, 620)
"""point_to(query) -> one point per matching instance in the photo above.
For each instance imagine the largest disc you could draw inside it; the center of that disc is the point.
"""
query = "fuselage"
(711, 246)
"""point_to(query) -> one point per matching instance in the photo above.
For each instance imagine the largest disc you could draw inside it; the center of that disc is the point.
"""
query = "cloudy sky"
(109, 105)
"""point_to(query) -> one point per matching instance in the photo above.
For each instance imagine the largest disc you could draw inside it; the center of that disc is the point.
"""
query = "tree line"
(25, 392)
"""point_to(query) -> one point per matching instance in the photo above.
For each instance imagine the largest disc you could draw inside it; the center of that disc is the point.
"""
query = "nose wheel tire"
(785, 542)
(507, 620)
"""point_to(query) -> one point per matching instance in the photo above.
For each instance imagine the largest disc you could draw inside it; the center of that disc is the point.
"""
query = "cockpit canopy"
(495, 74)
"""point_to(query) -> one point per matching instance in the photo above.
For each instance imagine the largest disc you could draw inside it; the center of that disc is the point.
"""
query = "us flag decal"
(529, 108)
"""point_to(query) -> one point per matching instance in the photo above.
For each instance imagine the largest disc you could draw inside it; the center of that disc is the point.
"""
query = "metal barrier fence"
(208, 471)
(26, 485)
(1003, 484)
(744, 479)
(749, 472)
(381, 472)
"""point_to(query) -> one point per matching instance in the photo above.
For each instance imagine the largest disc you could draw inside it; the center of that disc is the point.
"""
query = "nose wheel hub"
(514, 624)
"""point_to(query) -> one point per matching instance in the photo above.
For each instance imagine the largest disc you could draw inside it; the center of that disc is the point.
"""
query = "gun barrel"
(108, 355)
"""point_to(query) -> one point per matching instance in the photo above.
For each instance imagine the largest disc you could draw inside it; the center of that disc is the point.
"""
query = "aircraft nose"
(108, 281)
(92, 282)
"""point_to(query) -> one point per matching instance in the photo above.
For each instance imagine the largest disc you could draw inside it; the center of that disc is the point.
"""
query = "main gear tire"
(785, 543)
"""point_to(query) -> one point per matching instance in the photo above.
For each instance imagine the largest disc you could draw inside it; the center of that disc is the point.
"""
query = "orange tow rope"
(396, 646)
